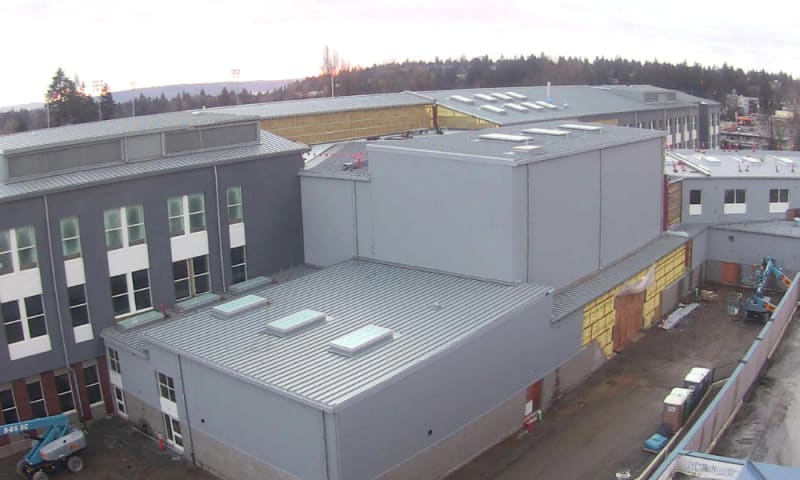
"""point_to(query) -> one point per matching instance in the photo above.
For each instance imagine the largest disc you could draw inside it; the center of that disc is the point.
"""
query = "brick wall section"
(21, 398)
(50, 393)
(105, 384)
(80, 389)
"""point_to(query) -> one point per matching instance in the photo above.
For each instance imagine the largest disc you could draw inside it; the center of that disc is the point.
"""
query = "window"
(119, 400)
(166, 386)
(36, 399)
(78, 309)
(130, 289)
(778, 200)
(64, 390)
(190, 277)
(173, 428)
(113, 360)
(6, 264)
(186, 209)
(735, 202)
(92, 381)
(238, 264)
(124, 227)
(8, 406)
(70, 237)
(24, 320)
(26, 248)
(695, 202)
(235, 212)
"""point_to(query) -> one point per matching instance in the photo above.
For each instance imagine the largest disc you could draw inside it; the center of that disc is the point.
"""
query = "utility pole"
(97, 89)
(133, 101)
(235, 77)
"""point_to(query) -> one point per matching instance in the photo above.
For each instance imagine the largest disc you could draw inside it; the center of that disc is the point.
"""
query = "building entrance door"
(629, 317)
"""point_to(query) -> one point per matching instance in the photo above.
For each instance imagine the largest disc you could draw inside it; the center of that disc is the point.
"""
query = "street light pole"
(97, 88)
(133, 101)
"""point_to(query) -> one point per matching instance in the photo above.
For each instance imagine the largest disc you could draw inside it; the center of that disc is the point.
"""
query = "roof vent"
(492, 108)
(502, 96)
(516, 95)
(533, 106)
(547, 105)
(361, 340)
(240, 305)
(514, 106)
(295, 323)
(461, 98)
(547, 131)
(581, 127)
(505, 137)
(484, 97)
(526, 148)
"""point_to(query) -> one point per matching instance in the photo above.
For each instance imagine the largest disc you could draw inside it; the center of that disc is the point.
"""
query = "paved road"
(767, 428)
(599, 428)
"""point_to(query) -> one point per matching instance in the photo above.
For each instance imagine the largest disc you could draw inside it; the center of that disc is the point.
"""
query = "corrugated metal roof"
(112, 128)
(270, 145)
(579, 294)
(311, 106)
(428, 312)
(778, 228)
(573, 101)
(130, 339)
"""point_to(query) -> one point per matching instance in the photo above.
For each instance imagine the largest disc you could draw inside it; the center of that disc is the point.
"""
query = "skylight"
(547, 105)
(492, 108)
(710, 159)
(240, 305)
(502, 96)
(461, 98)
(526, 148)
(578, 126)
(516, 95)
(532, 106)
(785, 161)
(361, 340)
(505, 137)
(517, 107)
(546, 131)
(485, 97)
(295, 322)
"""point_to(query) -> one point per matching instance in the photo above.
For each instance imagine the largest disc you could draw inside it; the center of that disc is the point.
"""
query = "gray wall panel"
(699, 249)
(756, 196)
(329, 220)
(142, 147)
(282, 432)
(48, 162)
(750, 248)
(391, 425)
(443, 214)
(364, 219)
(631, 198)
(230, 135)
(564, 219)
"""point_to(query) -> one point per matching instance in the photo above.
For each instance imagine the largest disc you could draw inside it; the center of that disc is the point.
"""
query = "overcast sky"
(159, 42)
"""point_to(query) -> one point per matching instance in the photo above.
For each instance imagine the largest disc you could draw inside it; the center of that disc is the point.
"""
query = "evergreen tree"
(107, 105)
(67, 103)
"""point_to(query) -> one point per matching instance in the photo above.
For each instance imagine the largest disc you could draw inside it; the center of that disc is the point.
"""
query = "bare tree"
(330, 64)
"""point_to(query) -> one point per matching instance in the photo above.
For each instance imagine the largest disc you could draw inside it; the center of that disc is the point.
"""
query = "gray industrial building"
(111, 222)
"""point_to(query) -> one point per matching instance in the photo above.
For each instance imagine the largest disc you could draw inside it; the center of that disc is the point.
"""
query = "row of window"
(63, 389)
(735, 200)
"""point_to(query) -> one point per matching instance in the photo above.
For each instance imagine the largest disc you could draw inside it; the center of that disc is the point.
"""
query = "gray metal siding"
(564, 220)
(442, 214)
(699, 249)
(756, 197)
(273, 429)
(329, 220)
(630, 198)
(751, 248)
(48, 162)
(230, 135)
(365, 225)
(143, 147)
(451, 390)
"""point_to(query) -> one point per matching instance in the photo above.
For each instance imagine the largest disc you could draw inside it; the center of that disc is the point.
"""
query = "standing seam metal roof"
(353, 294)
(270, 145)
(777, 228)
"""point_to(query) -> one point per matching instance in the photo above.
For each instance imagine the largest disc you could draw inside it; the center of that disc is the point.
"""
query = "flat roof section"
(428, 312)
(732, 164)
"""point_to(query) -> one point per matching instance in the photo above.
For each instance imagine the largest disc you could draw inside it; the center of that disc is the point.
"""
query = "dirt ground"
(767, 428)
(116, 451)
(599, 428)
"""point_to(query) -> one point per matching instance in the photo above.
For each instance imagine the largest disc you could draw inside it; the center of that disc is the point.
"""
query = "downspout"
(186, 409)
(70, 371)
(219, 231)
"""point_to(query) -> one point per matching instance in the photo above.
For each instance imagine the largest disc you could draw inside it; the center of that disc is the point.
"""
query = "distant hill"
(26, 106)
(171, 91)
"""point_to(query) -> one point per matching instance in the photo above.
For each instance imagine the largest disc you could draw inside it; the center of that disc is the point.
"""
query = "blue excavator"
(758, 305)
(57, 447)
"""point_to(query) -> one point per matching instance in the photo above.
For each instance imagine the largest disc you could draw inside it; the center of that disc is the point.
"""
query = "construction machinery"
(57, 447)
(758, 305)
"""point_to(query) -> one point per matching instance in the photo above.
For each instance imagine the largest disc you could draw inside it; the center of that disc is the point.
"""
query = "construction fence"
(710, 425)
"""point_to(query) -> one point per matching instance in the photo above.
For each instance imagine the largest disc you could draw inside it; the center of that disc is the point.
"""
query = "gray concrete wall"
(699, 249)
(245, 420)
(749, 249)
(630, 210)
(443, 214)
(564, 219)
(442, 397)
(329, 220)
(756, 196)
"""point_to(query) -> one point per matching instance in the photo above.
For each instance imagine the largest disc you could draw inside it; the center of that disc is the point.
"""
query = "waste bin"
(674, 413)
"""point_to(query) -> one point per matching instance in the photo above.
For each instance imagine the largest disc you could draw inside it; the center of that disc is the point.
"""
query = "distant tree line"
(68, 103)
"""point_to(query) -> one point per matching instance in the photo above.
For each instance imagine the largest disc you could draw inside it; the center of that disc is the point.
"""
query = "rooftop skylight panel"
(526, 148)
(502, 96)
(788, 162)
(547, 131)
(578, 126)
(516, 95)
(492, 108)
(238, 306)
(505, 137)
(461, 98)
(483, 96)
(547, 105)
(710, 159)
(361, 340)
(295, 322)
(515, 106)
(532, 106)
